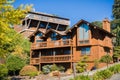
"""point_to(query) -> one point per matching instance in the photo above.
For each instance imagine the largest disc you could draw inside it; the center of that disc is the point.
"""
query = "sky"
(75, 10)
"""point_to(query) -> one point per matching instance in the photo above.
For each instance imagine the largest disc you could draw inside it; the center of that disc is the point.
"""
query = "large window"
(83, 32)
(85, 50)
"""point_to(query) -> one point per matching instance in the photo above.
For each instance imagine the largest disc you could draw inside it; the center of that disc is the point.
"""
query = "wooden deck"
(51, 59)
(52, 44)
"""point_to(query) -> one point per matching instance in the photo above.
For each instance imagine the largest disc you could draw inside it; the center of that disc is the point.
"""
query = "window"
(85, 50)
(66, 37)
(83, 32)
(53, 36)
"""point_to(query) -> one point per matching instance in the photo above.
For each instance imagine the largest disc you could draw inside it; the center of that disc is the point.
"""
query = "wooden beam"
(47, 25)
(38, 24)
(76, 26)
(29, 24)
(57, 27)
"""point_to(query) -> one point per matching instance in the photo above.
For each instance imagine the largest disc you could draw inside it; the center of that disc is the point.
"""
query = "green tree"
(82, 65)
(97, 23)
(3, 71)
(106, 59)
(15, 63)
(116, 21)
(8, 17)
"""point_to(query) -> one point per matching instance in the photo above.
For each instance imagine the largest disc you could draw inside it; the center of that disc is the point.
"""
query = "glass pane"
(81, 32)
(86, 33)
(88, 50)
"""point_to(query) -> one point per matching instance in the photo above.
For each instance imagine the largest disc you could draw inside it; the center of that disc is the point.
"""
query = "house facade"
(53, 42)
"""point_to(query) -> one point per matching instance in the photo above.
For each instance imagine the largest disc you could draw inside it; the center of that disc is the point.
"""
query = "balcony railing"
(47, 44)
(51, 59)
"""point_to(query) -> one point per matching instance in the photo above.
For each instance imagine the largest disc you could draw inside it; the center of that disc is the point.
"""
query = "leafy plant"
(115, 69)
(3, 71)
(82, 65)
(29, 71)
(14, 63)
(81, 77)
(106, 59)
(101, 75)
(46, 69)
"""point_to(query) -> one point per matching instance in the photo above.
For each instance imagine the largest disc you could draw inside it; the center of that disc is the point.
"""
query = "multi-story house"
(53, 42)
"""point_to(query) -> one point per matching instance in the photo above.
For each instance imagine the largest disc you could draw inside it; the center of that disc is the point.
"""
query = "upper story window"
(83, 33)
(62, 27)
(38, 37)
(66, 37)
(53, 36)
(85, 50)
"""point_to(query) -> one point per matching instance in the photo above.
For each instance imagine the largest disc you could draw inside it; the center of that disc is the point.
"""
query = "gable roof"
(90, 25)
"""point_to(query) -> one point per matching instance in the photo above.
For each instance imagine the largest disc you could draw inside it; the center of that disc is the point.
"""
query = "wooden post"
(38, 24)
(39, 60)
(74, 69)
(29, 23)
(57, 27)
(47, 25)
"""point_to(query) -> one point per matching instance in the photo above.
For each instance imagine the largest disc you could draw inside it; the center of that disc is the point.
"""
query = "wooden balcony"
(51, 44)
(51, 59)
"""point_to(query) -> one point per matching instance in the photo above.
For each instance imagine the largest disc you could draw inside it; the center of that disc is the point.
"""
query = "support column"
(54, 56)
(57, 27)
(47, 25)
(38, 24)
(39, 60)
(29, 24)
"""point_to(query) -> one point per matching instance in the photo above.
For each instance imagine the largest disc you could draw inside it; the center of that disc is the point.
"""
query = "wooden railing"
(47, 44)
(51, 59)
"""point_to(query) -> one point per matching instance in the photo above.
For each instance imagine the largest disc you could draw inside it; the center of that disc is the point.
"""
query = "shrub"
(115, 68)
(101, 75)
(14, 63)
(3, 71)
(29, 71)
(46, 69)
(81, 77)
(61, 68)
(54, 67)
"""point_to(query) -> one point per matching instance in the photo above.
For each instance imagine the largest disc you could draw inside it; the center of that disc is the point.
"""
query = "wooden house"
(53, 42)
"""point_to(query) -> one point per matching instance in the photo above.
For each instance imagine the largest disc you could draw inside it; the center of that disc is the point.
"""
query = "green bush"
(54, 67)
(46, 69)
(15, 63)
(115, 69)
(29, 71)
(3, 71)
(81, 77)
(101, 75)
(49, 68)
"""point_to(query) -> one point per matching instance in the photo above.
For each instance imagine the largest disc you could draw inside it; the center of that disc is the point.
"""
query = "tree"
(97, 23)
(82, 65)
(3, 71)
(106, 59)
(116, 21)
(8, 17)
(15, 63)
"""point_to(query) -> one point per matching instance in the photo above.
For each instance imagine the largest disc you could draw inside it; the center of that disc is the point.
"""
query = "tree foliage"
(106, 59)
(14, 63)
(9, 39)
(3, 71)
(97, 23)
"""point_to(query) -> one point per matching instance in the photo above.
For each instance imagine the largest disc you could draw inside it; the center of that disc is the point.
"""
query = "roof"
(49, 15)
(59, 32)
(90, 25)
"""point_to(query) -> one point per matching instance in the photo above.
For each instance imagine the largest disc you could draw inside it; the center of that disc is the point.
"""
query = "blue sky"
(90, 10)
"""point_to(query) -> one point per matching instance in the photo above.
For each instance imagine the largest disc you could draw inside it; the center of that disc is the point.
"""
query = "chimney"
(106, 24)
